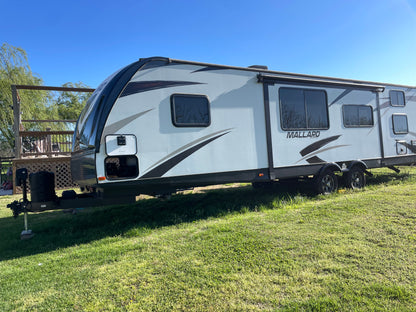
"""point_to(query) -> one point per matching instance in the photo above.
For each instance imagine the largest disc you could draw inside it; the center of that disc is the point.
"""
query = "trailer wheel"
(326, 182)
(355, 178)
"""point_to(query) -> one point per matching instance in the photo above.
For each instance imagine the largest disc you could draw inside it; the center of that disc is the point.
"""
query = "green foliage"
(70, 104)
(14, 69)
(237, 249)
(34, 104)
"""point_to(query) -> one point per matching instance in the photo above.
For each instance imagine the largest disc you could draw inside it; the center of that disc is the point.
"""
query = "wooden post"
(14, 175)
(16, 122)
(48, 142)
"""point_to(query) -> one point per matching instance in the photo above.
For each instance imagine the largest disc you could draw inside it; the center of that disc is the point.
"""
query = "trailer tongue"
(43, 197)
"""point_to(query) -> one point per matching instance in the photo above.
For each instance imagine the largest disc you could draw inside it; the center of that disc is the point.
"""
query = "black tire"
(355, 178)
(326, 182)
(70, 194)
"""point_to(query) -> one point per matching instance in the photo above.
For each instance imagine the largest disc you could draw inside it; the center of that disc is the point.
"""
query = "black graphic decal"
(315, 160)
(317, 145)
(207, 68)
(172, 162)
(143, 86)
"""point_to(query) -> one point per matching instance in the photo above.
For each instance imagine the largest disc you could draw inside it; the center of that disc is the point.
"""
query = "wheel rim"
(328, 184)
(356, 180)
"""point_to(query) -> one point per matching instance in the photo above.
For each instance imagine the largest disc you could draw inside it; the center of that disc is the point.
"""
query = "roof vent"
(258, 66)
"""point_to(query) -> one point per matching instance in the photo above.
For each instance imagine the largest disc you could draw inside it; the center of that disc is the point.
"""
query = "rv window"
(400, 124)
(303, 109)
(357, 116)
(190, 110)
(397, 98)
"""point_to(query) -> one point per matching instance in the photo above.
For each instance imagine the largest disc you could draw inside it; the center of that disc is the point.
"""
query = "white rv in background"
(159, 125)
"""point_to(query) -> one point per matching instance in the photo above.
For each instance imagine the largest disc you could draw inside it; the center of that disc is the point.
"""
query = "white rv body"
(136, 134)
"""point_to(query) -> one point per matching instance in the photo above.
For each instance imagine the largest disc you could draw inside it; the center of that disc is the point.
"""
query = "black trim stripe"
(143, 86)
(113, 128)
(108, 97)
(172, 162)
(156, 62)
(317, 145)
(300, 80)
(267, 123)
(380, 128)
(315, 160)
(208, 68)
(172, 184)
(321, 151)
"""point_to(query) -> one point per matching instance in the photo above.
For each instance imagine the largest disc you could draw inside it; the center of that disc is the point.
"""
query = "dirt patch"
(202, 189)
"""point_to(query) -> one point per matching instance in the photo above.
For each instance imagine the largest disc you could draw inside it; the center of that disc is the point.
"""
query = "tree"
(14, 69)
(70, 104)
(34, 104)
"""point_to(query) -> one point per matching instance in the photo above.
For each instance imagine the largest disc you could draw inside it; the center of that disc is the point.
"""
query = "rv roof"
(322, 79)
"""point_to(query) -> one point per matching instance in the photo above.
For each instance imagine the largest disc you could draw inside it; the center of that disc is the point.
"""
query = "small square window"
(397, 98)
(357, 116)
(400, 124)
(190, 110)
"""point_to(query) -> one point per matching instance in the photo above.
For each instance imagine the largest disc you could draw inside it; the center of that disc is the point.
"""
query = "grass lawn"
(233, 249)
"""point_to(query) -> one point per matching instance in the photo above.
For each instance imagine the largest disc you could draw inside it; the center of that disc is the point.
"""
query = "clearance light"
(101, 178)
(261, 174)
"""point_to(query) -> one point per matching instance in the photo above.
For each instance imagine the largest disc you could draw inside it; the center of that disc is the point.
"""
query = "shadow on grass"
(388, 177)
(56, 229)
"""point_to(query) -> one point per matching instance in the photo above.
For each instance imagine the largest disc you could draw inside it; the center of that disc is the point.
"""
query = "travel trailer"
(160, 125)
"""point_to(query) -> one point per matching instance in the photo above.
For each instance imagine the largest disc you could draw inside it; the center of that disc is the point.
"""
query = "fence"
(45, 143)
(5, 170)
(60, 166)
(47, 149)
(34, 143)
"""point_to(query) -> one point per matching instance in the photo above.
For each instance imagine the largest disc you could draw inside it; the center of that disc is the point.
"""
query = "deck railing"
(5, 169)
(43, 145)
(46, 143)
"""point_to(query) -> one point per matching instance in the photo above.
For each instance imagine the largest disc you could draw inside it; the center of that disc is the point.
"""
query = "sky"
(87, 40)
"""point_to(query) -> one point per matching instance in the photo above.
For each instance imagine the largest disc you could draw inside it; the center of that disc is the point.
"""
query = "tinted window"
(357, 116)
(292, 103)
(190, 110)
(303, 109)
(397, 98)
(400, 124)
